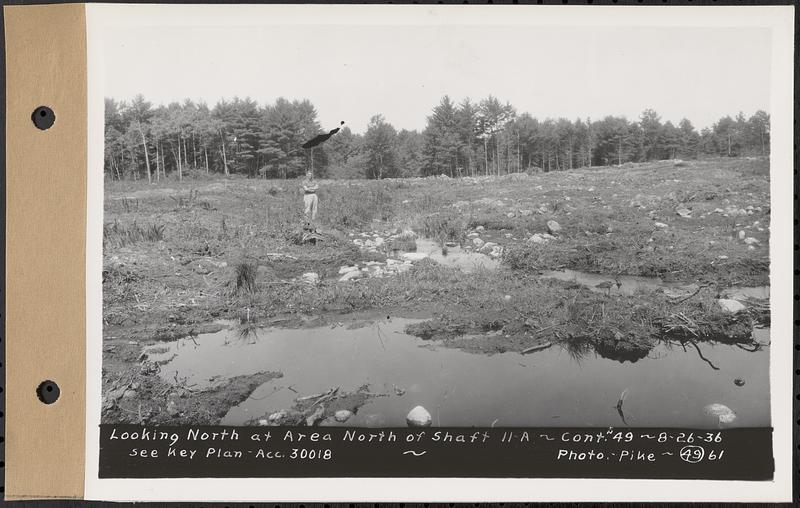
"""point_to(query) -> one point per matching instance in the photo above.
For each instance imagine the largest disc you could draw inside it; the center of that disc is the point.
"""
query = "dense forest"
(460, 139)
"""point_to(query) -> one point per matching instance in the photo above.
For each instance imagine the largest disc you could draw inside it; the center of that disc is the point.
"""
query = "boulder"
(742, 235)
(684, 212)
(537, 238)
(526, 213)
(477, 242)
(487, 247)
(352, 275)
(347, 269)
(722, 412)
(342, 415)
(660, 225)
(751, 241)
(731, 306)
(553, 227)
(480, 228)
(419, 417)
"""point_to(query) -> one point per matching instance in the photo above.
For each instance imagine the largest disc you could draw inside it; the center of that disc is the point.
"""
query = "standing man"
(310, 188)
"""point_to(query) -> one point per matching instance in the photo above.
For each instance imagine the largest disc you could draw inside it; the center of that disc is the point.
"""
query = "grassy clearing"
(185, 252)
(178, 256)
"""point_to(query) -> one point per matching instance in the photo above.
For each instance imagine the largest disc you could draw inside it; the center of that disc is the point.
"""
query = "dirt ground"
(179, 257)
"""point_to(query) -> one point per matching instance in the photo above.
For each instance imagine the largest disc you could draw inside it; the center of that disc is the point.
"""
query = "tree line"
(467, 138)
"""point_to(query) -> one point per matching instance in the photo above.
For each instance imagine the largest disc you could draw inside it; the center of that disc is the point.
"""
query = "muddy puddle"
(456, 257)
(629, 284)
(669, 387)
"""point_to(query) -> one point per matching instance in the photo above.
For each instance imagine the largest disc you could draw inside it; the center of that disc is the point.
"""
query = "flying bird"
(318, 140)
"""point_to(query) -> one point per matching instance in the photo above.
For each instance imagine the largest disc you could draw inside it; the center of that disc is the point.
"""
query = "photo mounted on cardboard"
(496, 247)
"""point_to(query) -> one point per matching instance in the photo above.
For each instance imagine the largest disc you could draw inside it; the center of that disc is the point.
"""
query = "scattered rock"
(526, 213)
(277, 418)
(352, 275)
(751, 241)
(419, 417)
(317, 415)
(742, 235)
(172, 409)
(310, 278)
(487, 247)
(731, 306)
(684, 212)
(477, 242)
(342, 415)
(553, 227)
(660, 225)
(480, 228)
(347, 269)
(510, 215)
(414, 256)
(537, 238)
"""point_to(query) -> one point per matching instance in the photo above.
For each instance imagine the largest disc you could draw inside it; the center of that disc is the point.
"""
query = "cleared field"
(182, 256)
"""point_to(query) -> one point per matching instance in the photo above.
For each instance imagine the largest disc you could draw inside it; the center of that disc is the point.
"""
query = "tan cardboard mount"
(45, 250)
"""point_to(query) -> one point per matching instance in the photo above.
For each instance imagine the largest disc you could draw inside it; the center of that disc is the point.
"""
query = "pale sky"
(353, 72)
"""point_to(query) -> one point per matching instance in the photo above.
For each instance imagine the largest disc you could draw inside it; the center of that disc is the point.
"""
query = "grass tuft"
(246, 273)
(120, 235)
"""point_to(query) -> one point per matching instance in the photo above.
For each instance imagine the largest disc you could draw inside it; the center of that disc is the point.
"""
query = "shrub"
(444, 227)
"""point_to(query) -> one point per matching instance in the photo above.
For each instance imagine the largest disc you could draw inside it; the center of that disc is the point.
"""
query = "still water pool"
(669, 387)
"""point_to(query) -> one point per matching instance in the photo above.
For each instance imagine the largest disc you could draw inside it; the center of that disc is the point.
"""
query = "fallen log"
(538, 347)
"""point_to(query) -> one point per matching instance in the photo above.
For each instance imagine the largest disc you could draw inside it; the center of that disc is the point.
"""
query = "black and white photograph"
(381, 225)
